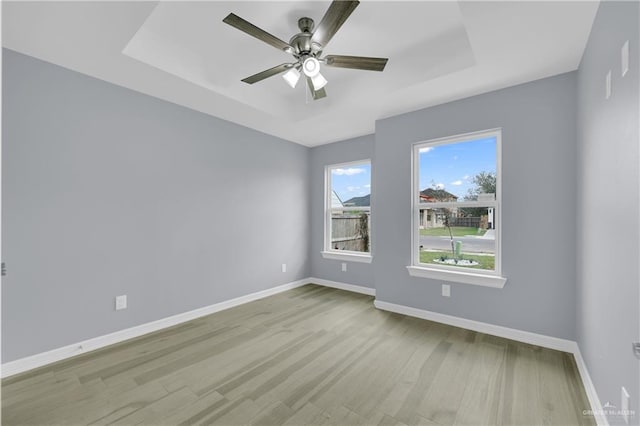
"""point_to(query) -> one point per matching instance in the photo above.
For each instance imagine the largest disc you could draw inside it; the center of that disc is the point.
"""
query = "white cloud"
(456, 183)
(348, 172)
(439, 185)
(352, 188)
(425, 149)
(367, 186)
(466, 177)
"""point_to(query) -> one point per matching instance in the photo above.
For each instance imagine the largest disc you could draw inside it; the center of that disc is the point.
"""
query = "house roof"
(431, 194)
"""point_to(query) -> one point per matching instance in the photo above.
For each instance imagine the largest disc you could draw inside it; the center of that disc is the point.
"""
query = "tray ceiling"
(182, 52)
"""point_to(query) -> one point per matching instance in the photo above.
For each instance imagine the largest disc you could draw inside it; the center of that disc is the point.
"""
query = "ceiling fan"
(306, 48)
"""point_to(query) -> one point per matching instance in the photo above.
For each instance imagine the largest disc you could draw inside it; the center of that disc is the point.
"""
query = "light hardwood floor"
(312, 355)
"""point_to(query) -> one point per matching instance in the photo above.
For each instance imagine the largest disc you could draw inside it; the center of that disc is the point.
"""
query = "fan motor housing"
(301, 42)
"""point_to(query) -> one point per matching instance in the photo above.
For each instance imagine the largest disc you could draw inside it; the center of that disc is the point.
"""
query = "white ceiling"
(182, 52)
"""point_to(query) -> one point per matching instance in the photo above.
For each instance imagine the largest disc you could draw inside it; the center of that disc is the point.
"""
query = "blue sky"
(452, 166)
(351, 181)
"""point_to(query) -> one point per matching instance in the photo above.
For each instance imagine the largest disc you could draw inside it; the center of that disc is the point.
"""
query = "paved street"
(469, 244)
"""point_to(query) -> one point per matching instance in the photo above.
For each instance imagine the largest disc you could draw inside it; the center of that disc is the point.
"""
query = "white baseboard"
(343, 286)
(38, 360)
(482, 327)
(590, 389)
(563, 345)
(44, 358)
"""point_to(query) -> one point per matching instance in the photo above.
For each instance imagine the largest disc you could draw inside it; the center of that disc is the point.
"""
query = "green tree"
(485, 183)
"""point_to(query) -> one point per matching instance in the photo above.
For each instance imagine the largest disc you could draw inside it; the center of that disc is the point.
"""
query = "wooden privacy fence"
(350, 232)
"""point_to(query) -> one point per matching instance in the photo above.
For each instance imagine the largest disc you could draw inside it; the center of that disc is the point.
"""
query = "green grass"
(457, 231)
(484, 261)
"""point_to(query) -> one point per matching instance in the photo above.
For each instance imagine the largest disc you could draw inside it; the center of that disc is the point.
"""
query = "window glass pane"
(350, 231)
(460, 171)
(350, 207)
(462, 237)
(351, 185)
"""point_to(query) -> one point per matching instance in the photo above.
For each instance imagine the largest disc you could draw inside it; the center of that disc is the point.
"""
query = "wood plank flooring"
(310, 356)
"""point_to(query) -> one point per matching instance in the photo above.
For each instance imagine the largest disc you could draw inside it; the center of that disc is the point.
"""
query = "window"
(348, 211)
(456, 209)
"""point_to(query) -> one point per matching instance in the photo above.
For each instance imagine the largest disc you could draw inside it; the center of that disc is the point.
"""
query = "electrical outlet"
(284, 267)
(624, 404)
(121, 302)
(607, 85)
(446, 290)
(625, 58)
(344, 266)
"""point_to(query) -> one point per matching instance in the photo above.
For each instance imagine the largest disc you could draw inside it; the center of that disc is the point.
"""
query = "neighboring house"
(430, 195)
(434, 218)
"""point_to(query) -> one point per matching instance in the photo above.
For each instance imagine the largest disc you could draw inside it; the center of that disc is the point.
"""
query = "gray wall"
(340, 152)
(608, 208)
(108, 192)
(538, 213)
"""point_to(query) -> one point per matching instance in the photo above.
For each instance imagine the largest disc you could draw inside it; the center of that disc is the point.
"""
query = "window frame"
(346, 255)
(459, 274)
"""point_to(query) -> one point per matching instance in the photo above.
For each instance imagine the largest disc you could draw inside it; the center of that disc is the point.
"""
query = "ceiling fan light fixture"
(318, 81)
(307, 47)
(311, 67)
(291, 77)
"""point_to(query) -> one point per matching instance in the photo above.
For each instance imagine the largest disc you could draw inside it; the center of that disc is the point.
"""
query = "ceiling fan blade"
(334, 17)
(356, 62)
(316, 94)
(267, 73)
(247, 27)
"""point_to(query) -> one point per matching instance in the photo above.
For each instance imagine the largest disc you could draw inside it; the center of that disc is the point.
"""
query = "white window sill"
(348, 257)
(493, 281)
